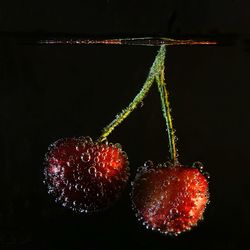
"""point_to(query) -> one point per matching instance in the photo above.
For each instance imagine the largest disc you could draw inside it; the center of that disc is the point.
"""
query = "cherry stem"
(164, 95)
(154, 71)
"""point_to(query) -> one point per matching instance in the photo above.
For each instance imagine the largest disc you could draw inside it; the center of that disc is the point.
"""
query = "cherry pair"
(87, 176)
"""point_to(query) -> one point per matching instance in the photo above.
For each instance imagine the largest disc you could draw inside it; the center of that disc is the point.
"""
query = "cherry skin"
(83, 175)
(170, 199)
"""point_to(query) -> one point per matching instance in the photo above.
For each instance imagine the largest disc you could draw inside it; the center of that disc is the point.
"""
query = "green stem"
(154, 71)
(164, 95)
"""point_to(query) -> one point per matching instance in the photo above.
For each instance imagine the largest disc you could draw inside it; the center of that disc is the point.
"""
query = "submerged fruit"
(170, 199)
(83, 175)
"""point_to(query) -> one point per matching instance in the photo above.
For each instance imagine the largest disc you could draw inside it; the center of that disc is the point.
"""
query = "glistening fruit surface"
(170, 199)
(83, 175)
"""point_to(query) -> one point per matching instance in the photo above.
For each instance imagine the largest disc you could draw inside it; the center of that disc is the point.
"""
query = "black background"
(48, 93)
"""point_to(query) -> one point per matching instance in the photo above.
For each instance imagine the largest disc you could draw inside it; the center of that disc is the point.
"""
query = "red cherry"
(170, 199)
(83, 175)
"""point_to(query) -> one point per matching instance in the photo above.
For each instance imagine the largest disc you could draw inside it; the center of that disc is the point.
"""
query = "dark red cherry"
(170, 199)
(83, 175)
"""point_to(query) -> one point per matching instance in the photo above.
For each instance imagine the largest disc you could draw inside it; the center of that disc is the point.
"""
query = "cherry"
(169, 198)
(83, 175)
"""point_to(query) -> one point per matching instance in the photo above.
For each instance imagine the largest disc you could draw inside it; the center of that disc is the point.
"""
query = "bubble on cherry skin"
(207, 175)
(96, 159)
(86, 157)
(85, 181)
(174, 212)
(97, 153)
(92, 170)
(198, 165)
(98, 174)
(88, 140)
(147, 164)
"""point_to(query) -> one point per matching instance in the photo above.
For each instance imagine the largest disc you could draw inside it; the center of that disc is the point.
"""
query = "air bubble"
(92, 170)
(97, 153)
(82, 144)
(173, 212)
(77, 187)
(90, 150)
(101, 165)
(124, 155)
(105, 142)
(118, 161)
(148, 164)
(198, 165)
(86, 190)
(80, 178)
(88, 140)
(102, 149)
(96, 159)
(98, 174)
(85, 157)
(118, 145)
(207, 175)
(104, 155)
